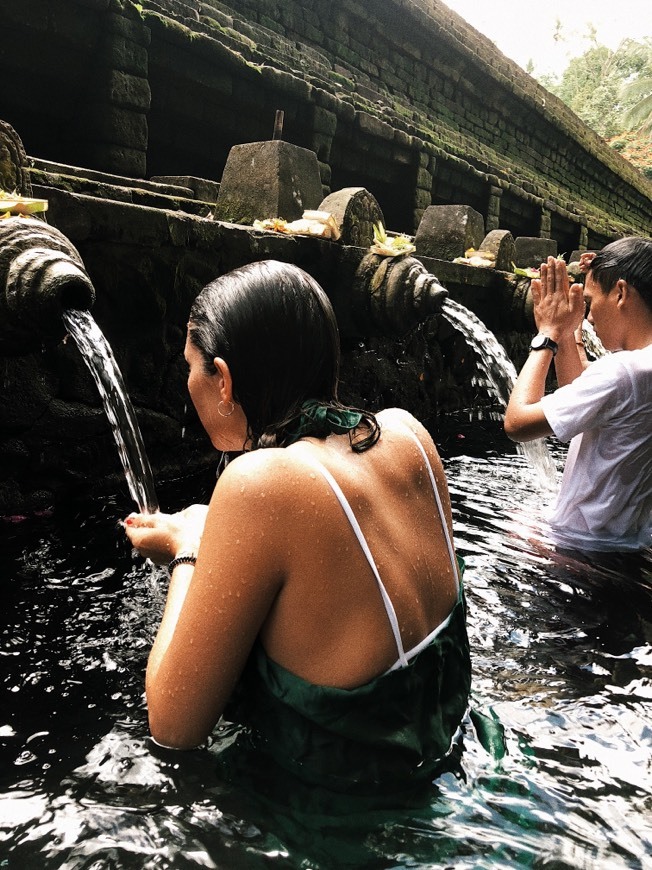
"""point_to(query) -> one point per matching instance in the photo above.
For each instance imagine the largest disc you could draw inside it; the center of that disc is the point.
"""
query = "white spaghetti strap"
(440, 507)
(346, 507)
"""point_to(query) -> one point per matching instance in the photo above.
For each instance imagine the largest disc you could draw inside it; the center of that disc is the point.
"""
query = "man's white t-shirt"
(605, 499)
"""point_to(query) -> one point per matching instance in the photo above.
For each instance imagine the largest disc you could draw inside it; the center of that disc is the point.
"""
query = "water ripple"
(562, 655)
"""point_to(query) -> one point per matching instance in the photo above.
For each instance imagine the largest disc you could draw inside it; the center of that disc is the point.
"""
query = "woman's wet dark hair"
(276, 329)
(630, 259)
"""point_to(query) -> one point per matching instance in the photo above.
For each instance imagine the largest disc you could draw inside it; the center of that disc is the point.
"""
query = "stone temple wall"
(127, 114)
(401, 97)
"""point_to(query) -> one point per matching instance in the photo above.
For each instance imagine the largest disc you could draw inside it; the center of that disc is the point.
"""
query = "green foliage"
(592, 87)
(611, 91)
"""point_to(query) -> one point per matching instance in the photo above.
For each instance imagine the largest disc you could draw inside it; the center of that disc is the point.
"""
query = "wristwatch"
(542, 342)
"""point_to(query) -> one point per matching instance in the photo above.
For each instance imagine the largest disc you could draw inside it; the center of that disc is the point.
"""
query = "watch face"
(540, 342)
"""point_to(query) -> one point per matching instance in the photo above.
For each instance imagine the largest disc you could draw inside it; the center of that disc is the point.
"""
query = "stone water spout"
(394, 294)
(41, 276)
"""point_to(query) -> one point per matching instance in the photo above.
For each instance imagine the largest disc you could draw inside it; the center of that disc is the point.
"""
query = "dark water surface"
(562, 654)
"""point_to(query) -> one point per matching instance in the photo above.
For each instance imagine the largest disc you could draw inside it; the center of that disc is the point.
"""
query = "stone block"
(424, 179)
(184, 8)
(128, 91)
(422, 199)
(119, 126)
(500, 243)
(203, 189)
(324, 121)
(531, 251)
(129, 28)
(447, 231)
(267, 180)
(124, 54)
(356, 211)
(118, 159)
(286, 83)
(374, 126)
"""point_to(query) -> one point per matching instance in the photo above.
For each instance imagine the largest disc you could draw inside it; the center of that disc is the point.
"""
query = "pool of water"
(562, 654)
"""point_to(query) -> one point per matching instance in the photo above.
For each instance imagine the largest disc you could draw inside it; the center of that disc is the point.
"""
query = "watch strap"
(543, 342)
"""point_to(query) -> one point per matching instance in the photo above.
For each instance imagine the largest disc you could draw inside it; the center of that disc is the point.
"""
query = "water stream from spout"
(99, 358)
(499, 378)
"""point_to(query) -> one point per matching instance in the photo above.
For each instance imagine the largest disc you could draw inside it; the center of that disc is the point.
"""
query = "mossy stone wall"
(403, 98)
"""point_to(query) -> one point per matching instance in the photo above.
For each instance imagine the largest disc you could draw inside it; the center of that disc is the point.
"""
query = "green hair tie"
(318, 419)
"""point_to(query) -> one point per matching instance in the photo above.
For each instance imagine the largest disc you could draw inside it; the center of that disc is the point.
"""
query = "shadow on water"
(562, 653)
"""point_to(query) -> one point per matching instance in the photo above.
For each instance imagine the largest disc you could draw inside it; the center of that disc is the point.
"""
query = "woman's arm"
(215, 609)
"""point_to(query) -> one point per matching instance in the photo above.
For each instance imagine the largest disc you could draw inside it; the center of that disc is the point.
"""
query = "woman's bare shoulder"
(271, 473)
(396, 421)
(398, 418)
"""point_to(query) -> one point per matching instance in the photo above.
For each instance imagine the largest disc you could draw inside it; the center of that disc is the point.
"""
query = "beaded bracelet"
(182, 559)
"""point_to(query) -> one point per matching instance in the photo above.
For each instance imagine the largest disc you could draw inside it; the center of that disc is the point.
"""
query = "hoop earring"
(221, 412)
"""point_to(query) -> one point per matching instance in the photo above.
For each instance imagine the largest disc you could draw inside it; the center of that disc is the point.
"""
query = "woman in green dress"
(317, 600)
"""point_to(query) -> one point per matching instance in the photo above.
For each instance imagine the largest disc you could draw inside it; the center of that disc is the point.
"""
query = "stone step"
(42, 186)
(203, 189)
(218, 22)
(45, 176)
(50, 167)
(181, 10)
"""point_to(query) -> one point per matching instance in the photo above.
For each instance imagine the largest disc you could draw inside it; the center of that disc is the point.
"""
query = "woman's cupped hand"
(160, 537)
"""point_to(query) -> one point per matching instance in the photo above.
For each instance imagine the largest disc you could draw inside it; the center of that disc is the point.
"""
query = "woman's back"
(323, 694)
(329, 623)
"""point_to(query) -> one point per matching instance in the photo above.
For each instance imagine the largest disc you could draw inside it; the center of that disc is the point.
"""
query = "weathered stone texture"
(500, 243)
(533, 251)
(356, 212)
(217, 70)
(271, 179)
(403, 100)
(448, 231)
